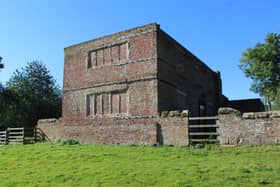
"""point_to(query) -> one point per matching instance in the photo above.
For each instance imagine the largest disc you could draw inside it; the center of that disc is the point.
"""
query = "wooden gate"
(3, 137)
(15, 135)
(19, 135)
(203, 129)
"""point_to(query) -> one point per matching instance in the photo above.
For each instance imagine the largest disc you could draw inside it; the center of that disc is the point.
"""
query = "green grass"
(108, 165)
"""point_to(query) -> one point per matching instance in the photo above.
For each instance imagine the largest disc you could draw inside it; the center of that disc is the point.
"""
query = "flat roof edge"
(156, 25)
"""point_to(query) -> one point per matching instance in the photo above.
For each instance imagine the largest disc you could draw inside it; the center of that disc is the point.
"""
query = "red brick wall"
(118, 130)
(112, 134)
(99, 68)
(184, 81)
(115, 86)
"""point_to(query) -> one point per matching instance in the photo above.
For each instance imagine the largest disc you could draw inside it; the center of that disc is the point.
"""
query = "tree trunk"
(268, 103)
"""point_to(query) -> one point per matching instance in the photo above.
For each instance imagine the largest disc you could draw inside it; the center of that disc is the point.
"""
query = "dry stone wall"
(49, 129)
(250, 128)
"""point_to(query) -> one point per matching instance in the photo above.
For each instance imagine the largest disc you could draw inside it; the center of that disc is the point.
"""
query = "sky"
(215, 31)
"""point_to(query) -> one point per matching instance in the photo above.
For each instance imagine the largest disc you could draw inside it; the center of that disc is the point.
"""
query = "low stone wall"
(250, 128)
(49, 129)
(163, 129)
(173, 131)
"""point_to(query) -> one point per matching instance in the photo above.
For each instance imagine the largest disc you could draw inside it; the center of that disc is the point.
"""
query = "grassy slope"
(100, 165)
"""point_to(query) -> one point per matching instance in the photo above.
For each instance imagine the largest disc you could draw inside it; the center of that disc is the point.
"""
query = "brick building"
(136, 73)
(116, 86)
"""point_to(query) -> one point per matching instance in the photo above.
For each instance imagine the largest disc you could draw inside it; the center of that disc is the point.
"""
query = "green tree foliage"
(1, 65)
(262, 65)
(30, 94)
(276, 104)
(8, 108)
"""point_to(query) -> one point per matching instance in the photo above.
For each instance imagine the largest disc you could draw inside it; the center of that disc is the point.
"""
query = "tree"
(262, 65)
(276, 103)
(8, 105)
(1, 65)
(30, 94)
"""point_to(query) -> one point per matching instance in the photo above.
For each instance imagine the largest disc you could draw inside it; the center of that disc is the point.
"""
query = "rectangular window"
(98, 107)
(123, 103)
(107, 56)
(106, 103)
(100, 58)
(113, 54)
(88, 111)
(115, 103)
(123, 52)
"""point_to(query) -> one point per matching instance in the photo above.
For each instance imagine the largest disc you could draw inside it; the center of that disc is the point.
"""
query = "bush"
(66, 142)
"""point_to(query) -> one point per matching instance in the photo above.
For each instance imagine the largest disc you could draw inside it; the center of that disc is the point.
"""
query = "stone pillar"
(173, 128)
(229, 124)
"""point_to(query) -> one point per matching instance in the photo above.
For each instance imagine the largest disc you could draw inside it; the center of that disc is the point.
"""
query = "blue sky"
(215, 31)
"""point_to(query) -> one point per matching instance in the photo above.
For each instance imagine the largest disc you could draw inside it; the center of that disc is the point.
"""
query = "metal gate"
(203, 129)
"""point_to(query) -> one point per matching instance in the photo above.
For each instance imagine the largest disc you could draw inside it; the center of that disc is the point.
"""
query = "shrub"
(66, 142)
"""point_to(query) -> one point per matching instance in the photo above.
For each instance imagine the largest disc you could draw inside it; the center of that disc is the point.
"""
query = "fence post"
(7, 136)
(35, 134)
(23, 135)
(3, 137)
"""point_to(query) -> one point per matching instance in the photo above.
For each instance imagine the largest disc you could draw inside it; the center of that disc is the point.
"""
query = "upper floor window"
(108, 55)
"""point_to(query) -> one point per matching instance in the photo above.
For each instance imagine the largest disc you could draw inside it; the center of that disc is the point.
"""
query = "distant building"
(246, 105)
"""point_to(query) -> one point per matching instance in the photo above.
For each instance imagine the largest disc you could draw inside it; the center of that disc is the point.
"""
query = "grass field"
(47, 164)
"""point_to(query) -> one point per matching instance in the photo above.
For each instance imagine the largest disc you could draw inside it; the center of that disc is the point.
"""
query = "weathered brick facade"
(185, 82)
(138, 72)
(111, 76)
(159, 130)
(116, 86)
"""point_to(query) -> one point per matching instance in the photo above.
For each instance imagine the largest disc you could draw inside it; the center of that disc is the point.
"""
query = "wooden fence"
(18, 135)
(203, 129)
(3, 137)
